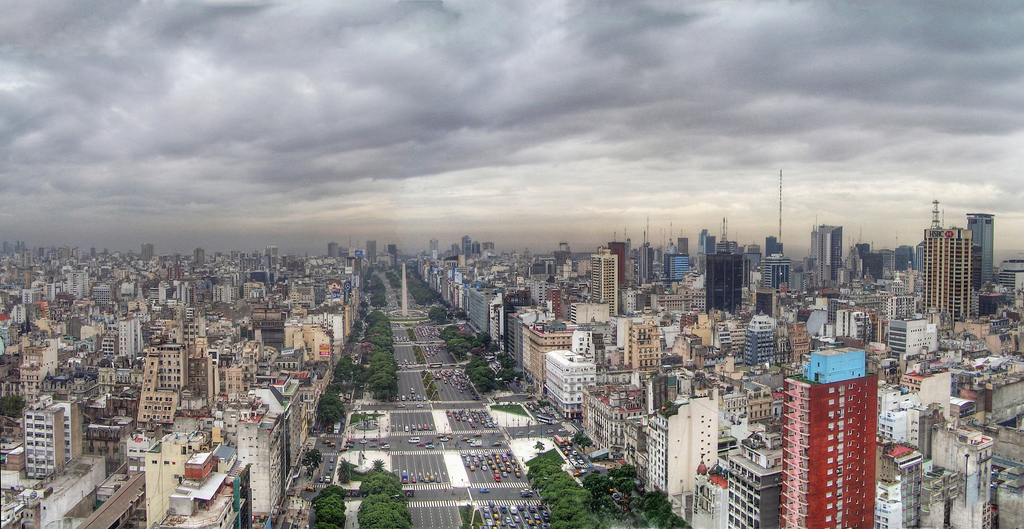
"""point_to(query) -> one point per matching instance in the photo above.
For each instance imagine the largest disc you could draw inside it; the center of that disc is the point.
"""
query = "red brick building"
(829, 425)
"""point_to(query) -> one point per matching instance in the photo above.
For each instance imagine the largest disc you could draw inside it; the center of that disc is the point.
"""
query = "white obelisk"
(405, 294)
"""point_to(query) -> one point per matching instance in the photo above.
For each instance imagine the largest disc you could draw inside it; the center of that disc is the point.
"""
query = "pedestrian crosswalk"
(428, 486)
(480, 502)
(434, 503)
(501, 485)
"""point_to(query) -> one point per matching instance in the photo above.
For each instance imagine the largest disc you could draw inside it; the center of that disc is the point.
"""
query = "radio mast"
(780, 205)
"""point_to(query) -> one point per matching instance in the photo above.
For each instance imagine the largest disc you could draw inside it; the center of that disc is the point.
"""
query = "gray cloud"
(573, 119)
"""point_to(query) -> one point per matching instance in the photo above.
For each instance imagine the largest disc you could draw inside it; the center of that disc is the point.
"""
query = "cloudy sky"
(234, 125)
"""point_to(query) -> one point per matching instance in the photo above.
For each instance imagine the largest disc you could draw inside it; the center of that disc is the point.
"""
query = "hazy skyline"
(235, 125)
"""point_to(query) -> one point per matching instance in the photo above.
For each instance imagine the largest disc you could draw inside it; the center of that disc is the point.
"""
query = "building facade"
(829, 428)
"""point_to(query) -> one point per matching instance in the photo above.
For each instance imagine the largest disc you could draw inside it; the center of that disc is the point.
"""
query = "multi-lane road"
(429, 440)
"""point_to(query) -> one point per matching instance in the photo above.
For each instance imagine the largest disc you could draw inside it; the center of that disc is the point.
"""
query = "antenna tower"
(725, 230)
(780, 205)
(936, 224)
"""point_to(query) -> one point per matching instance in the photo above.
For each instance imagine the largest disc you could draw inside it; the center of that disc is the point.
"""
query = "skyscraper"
(772, 245)
(759, 342)
(645, 263)
(829, 422)
(947, 271)
(467, 245)
(827, 251)
(775, 271)
(904, 257)
(199, 256)
(723, 282)
(604, 280)
(332, 250)
(433, 245)
(618, 249)
(683, 245)
(147, 251)
(371, 251)
(981, 226)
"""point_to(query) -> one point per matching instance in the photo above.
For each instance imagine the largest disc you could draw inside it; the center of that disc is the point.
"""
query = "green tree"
(313, 458)
(12, 406)
(331, 510)
(582, 440)
(438, 315)
(378, 465)
(539, 445)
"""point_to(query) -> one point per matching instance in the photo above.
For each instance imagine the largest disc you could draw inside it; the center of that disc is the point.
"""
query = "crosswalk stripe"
(433, 503)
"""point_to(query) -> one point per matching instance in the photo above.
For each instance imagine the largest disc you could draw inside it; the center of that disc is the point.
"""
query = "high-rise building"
(467, 245)
(827, 251)
(645, 264)
(198, 256)
(904, 258)
(433, 245)
(829, 426)
(772, 245)
(371, 251)
(332, 250)
(604, 279)
(676, 265)
(981, 226)
(147, 251)
(683, 245)
(947, 271)
(759, 343)
(775, 271)
(723, 282)
(619, 250)
(702, 242)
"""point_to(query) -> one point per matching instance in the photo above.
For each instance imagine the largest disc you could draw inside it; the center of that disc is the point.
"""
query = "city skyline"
(235, 125)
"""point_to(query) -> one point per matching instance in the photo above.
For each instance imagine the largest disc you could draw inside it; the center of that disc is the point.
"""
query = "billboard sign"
(325, 350)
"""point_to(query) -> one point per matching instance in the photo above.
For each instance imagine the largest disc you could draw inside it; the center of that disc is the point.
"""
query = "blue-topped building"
(836, 365)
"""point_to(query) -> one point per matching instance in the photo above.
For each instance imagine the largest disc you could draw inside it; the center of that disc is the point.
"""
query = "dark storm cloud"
(235, 112)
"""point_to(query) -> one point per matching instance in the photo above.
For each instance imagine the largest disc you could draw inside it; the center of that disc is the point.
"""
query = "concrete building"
(604, 279)
(968, 454)
(261, 430)
(710, 501)
(947, 271)
(129, 336)
(606, 412)
(827, 254)
(642, 348)
(165, 375)
(165, 470)
(759, 342)
(898, 493)
(53, 436)
(538, 340)
(911, 339)
(568, 373)
(755, 482)
(829, 427)
(680, 438)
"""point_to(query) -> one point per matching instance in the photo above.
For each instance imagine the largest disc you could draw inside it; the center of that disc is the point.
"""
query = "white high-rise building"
(680, 438)
(78, 283)
(129, 337)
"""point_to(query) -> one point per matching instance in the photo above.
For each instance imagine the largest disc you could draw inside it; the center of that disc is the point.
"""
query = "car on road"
(485, 491)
